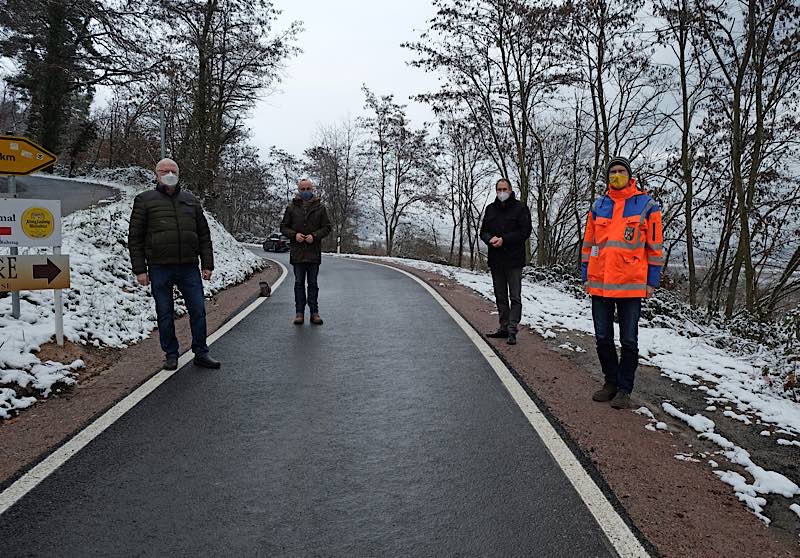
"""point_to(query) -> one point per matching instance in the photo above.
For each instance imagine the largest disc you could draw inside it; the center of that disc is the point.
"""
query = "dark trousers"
(508, 285)
(619, 371)
(187, 278)
(306, 272)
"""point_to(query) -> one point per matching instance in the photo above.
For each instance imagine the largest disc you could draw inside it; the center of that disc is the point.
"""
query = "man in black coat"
(305, 223)
(505, 228)
(167, 235)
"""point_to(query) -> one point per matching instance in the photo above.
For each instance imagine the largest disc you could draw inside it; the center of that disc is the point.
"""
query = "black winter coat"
(168, 229)
(307, 218)
(510, 220)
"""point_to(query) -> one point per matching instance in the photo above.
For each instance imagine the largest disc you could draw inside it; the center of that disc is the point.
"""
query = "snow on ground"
(764, 482)
(687, 355)
(104, 306)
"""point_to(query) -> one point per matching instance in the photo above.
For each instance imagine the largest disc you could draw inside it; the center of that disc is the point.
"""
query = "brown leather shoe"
(622, 400)
(316, 320)
(607, 393)
(299, 319)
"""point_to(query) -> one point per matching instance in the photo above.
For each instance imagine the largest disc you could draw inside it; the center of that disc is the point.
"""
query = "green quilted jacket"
(168, 229)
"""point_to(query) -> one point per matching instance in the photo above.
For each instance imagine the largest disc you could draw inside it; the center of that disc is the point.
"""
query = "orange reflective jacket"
(622, 247)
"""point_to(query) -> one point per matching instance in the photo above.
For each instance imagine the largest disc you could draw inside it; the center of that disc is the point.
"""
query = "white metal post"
(59, 307)
(12, 192)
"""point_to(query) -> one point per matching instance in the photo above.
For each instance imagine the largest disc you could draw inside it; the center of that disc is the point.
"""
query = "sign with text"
(22, 156)
(33, 273)
(30, 222)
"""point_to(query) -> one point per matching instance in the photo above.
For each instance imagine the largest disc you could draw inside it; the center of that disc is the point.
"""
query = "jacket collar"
(511, 199)
(301, 202)
(160, 188)
(626, 193)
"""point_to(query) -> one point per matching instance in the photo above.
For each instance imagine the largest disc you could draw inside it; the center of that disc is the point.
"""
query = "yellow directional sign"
(32, 273)
(22, 156)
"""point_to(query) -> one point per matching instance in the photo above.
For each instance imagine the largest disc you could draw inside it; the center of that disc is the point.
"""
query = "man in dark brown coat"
(305, 223)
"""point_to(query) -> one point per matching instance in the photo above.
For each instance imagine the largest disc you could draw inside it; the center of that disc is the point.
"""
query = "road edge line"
(612, 524)
(52, 462)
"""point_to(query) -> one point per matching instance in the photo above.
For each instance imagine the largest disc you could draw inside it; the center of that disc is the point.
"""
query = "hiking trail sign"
(19, 156)
(32, 273)
(30, 222)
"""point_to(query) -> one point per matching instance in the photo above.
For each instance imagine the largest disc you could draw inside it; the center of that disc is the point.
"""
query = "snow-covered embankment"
(103, 307)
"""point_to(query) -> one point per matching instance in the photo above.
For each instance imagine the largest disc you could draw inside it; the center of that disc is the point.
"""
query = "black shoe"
(171, 363)
(499, 334)
(512, 338)
(206, 362)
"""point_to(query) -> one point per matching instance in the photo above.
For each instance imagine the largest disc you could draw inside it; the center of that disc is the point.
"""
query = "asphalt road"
(73, 195)
(382, 433)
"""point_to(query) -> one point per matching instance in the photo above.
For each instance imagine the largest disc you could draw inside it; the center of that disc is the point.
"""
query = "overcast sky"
(346, 43)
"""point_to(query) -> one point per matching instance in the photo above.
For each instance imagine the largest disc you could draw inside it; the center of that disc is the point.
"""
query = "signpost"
(32, 273)
(20, 156)
(30, 223)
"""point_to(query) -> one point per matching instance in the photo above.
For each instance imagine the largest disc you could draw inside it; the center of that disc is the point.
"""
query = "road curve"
(382, 433)
(74, 195)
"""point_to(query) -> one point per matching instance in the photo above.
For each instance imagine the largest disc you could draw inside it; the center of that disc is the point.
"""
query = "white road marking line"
(615, 528)
(29, 480)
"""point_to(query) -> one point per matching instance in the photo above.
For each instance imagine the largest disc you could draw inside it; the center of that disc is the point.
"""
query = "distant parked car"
(276, 243)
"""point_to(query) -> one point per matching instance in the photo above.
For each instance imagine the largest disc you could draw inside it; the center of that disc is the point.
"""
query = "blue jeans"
(621, 370)
(187, 278)
(303, 272)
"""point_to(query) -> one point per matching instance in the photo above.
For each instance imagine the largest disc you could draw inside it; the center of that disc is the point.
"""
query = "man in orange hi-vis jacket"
(621, 261)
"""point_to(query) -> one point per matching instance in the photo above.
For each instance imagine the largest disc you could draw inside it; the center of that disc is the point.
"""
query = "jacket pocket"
(601, 225)
(634, 231)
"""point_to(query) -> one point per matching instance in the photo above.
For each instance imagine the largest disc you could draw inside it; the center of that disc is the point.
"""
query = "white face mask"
(503, 196)
(169, 179)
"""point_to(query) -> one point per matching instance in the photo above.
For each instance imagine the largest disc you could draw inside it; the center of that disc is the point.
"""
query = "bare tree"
(227, 54)
(465, 171)
(754, 46)
(504, 61)
(339, 164)
(403, 161)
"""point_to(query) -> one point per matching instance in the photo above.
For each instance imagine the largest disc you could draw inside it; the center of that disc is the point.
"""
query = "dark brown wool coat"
(309, 217)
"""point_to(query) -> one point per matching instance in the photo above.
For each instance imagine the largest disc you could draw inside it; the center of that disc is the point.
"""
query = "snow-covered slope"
(104, 306)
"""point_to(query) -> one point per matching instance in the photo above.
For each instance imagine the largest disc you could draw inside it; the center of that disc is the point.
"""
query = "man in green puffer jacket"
(168, 232)
(305, 223)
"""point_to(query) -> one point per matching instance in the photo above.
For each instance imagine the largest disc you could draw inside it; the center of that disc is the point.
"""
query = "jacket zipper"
(178, 224)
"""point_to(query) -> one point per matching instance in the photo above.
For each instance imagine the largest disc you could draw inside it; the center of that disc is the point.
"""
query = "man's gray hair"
(306, 179)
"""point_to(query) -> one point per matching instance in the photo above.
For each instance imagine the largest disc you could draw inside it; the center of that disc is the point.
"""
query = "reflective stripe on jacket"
(622, 247)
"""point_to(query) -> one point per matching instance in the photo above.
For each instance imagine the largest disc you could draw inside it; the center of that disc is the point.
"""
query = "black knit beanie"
(619, 161)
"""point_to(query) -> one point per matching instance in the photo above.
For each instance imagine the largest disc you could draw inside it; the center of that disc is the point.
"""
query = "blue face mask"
(306, 195)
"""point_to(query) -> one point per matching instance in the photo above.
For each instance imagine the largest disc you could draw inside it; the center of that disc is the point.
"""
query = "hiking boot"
(299, 318)
(206, 361)
(622, 400)
(607, 392)
(171, 363)
(512, 338)
(316, 320)
(499, 334)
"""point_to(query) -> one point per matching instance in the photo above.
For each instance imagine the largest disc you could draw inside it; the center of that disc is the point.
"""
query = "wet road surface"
(382, 433)
(73, 195)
